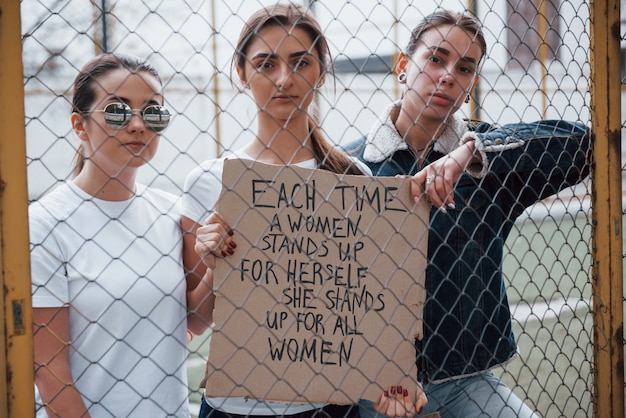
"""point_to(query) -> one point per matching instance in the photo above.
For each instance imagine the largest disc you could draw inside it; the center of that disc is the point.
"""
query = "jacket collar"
(384, 140)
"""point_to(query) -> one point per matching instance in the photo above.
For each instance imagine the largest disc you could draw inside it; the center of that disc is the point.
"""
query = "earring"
(402, 77)
(468, 98)
(320, 85)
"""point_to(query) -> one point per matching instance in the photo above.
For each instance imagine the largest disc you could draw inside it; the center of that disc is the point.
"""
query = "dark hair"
(84, 92)
(464, 21)
(287, 15)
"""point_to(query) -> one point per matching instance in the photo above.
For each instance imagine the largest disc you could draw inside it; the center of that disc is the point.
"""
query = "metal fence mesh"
(537, 67)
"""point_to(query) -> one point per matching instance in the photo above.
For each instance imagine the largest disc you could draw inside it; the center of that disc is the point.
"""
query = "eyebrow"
(274, 55)
(446, 52)
(148, 102)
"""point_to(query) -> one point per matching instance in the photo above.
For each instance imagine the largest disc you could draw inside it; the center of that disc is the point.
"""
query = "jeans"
(329, 411)
(482, 395)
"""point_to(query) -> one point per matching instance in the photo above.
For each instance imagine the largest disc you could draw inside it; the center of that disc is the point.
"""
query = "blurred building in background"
(537, 67)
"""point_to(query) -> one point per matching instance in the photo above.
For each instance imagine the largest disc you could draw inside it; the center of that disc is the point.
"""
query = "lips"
(284, 97)
(135, 146)
(441, 97)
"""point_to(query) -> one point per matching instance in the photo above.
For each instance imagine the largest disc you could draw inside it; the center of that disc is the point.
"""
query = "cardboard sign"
(323, 298)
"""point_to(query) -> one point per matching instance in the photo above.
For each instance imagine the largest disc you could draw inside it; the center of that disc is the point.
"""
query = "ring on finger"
(430, 179)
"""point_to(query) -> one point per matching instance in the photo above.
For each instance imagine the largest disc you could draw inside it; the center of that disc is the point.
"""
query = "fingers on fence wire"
(436, 180)
(436, 187)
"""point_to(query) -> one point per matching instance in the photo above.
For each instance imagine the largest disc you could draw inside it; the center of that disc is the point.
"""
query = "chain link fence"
(537, 67)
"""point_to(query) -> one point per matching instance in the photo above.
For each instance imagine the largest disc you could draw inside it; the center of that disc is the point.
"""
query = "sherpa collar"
(383, 139)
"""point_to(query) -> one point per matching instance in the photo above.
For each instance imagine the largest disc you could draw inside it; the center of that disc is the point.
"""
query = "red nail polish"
(393, 390)
(230, 232)
(386, 394)
(399, 389)
(406, 393)
(223, 253)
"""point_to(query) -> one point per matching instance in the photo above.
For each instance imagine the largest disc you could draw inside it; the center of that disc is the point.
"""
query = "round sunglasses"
(117, 115)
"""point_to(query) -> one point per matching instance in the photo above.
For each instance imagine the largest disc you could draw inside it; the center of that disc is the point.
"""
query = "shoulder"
(209, 166)
(355, 150)
(211, 170)
(365, 169)
(61, 206)
(356, 146)
(207, 173)
(159, 198)
(56, 205)
(203, 186)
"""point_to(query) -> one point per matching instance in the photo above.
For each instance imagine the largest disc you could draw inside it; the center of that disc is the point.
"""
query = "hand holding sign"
(398, 402)
(324, 297)
(214, 238)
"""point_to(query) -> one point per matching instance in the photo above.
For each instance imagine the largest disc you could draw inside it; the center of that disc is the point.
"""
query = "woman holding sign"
(479, 179)
(282, 57)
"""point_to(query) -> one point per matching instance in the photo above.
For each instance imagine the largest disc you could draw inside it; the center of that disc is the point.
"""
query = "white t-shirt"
(118, 267)
(202, 189)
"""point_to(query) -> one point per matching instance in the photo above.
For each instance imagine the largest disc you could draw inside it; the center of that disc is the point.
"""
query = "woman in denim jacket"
(479, 179)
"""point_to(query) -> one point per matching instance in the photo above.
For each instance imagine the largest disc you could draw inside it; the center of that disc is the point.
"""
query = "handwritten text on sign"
(323, 298)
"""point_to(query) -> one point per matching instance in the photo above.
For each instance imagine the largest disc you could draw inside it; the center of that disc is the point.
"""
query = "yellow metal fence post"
(607, 210)
(16, 360)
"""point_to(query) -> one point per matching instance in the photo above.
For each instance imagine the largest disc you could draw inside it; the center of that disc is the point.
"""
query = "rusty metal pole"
(542, 26)
(475, 98)
(216, 84)
(608, 296)
(16, 337)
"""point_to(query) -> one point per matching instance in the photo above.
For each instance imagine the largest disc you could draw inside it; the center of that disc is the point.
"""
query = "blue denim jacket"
(467, 319)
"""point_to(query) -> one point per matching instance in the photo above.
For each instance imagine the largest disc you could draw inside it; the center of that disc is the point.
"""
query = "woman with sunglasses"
(282, 58)
(108, 286)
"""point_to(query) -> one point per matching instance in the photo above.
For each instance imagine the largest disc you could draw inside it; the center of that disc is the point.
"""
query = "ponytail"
(328, 157)
(79, 161)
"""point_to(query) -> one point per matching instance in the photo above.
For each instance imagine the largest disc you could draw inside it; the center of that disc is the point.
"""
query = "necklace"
(416, 152)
